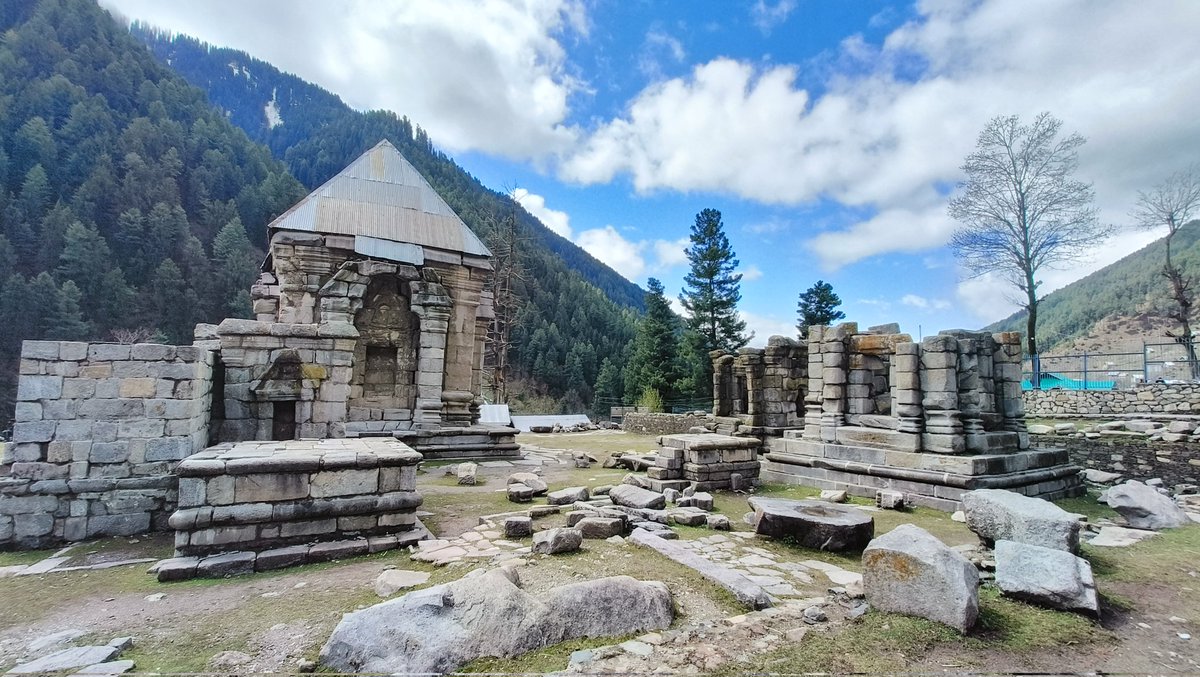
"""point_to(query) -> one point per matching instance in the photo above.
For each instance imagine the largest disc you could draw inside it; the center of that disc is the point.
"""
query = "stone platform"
(475, 442)
(258, 496)
(927, 479)
(706, 461)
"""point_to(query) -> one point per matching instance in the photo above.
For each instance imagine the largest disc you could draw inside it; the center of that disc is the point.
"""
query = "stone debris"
(1045, 576)
(1143, 507)
(746, 591)
(1119, 537)
(519, 493)
(518, 527)
(1100, 477)
(75, 658)
(392, 581)
(888, 499)
(467, 473)
(555, 541)
(833, 495)
(531, 480)
(109, 668)
(486, 613)
(632, 496)
(813, 524)
(910, 572)
(705, 460)
(567, 496)
(998, 514)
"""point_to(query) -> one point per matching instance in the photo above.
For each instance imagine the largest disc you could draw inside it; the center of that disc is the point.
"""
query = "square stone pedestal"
(705, 461)
(280, 503)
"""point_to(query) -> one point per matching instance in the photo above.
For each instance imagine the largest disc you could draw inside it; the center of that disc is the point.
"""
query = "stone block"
(107, 352)
(28, 411)
(280, 558)
(126, 524)
(227, 564)
(344, 483)
(32, 387)
(267, 487)
(308, 528)
(168, 448)
(33, 431)
(39, 350)
(32, 525)
(140, 428)
(109, 452)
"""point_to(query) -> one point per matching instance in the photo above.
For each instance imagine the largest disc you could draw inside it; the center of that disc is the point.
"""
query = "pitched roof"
(381, 195)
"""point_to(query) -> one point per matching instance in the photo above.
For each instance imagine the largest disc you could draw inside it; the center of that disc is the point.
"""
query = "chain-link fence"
(1154, 363)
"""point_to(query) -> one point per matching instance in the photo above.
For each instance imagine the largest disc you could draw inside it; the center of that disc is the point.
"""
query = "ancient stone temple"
(864, 411)
(371, 317)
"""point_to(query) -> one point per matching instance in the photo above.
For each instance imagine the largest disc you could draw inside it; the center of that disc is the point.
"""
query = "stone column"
(432, 306)
(813, 398)
(464, 290)
(752, 359)
(835, 360)
(1009, 403)
(722, 382)
(905, 378)
(939, 384)
(484, 317)
(969, 394)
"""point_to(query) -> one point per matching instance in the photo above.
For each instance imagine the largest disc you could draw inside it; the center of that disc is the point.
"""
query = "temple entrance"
(283, 421)
(386, 356)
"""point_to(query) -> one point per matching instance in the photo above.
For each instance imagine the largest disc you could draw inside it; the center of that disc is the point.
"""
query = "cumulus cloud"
(766, 326)
(489, 75)
(671, 252)
(535, 204)
(892, 122)
(618, 253)
(655, 48)
(922, 303)
(751, 273)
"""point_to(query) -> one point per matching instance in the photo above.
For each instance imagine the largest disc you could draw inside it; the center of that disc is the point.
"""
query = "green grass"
(599, 444)
(19, 558)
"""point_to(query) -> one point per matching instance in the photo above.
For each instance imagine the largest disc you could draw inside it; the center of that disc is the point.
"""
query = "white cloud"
(670, 253)
(767, 16)
(922, 303)
(751, 273)
(656, 47)
(610, 247)
(535, 204)
(893, 122)
(766, 326)
(487, 75)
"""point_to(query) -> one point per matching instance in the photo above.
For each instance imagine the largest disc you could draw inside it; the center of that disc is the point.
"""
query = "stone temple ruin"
(872, 410)
(370, 321)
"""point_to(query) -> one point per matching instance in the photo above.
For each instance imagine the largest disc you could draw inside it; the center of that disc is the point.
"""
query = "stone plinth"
(929, 480)
(475, 442)
(706, 461)
(255, 496)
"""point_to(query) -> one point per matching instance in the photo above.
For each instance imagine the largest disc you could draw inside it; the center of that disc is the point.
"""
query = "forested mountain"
(127, 203)
(574, 310)
(1131, 286)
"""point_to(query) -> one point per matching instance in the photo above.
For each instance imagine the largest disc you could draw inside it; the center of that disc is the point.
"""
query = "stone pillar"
(433, 306)
(969, 394)
(722, 382)
(1007, 371)
(484, 317)
(835, 366)
(906, 388)
(939, 384)
(814, 397)
(752, 360)
(460, 363)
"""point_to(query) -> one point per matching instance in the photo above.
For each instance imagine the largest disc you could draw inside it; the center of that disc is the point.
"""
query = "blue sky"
(829, 134)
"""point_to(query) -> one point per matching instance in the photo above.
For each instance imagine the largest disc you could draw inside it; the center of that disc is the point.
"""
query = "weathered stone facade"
(370, 321)
(1173, 462)
(1149, 398)
(99, 428)
(880, 411)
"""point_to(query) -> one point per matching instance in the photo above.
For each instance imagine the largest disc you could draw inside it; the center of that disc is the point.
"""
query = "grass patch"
(1018, 627)
(550, 659)
(598, 443)
(26, 557)
(1087, 505)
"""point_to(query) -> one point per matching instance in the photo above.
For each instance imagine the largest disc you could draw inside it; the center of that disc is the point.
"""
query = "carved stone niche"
(385, 356)
(278, 394)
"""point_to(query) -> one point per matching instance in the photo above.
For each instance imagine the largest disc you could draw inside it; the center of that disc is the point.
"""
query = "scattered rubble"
(1045, 576)
(998, 514)
(1143, 507)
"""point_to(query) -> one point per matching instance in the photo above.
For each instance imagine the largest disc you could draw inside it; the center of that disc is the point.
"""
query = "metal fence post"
(1145, 363)
(1035, 379)
(1085, 371)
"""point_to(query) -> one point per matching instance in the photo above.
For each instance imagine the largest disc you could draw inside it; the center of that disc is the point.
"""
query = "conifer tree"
(654, 363)
(818, 307)
(235, 267)
(66, 322)
(712, 289)
(42, 308)
(607, 392)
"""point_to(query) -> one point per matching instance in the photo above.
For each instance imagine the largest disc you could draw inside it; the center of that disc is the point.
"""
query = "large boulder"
(555, 541)
(813, 524)
(1000, 515)
(908, 571)
(567, 496)
(535, 483)
(1144, 508)
(486, 613)
(1045, 576)
(632, 496)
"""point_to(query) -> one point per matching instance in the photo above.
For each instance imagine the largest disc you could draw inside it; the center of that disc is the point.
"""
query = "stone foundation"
(479, 441)
(929, 480)
(255, 496)
(705, 461)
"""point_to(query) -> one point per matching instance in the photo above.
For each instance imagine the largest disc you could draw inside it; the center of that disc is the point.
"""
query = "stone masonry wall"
(1174, 463)
(1152, 398)
(99, 427)
(662, 424)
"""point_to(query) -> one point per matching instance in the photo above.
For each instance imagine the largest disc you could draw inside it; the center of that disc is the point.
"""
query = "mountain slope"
(1132, 287)
(127, 204)
(574, 310)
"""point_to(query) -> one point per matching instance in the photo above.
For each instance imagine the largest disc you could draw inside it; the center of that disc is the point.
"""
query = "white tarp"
(494, 414)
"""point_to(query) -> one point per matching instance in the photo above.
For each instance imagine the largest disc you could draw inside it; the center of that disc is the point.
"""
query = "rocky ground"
(278, 621)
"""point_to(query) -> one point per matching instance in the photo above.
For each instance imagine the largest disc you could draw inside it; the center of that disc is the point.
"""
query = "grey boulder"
(1143, 507)
(1000, 515)
(535, 483)
(813, 524)
(486, 613)
(567, 496)
(632, 496)
(555, 541)
(1045, 576)
(908, 571)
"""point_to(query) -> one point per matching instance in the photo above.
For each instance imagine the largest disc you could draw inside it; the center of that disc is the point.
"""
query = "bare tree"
(1019, 208)
(507, 245)
(1172, 204)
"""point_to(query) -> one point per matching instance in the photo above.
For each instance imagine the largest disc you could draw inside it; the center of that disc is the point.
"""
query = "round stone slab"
(813, 524)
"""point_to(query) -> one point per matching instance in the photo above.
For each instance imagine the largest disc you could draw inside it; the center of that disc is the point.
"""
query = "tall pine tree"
(654, 365)
(712, 290)
(818, 307)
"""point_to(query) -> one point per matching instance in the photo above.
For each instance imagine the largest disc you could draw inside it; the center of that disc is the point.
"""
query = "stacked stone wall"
(663, 424)
(99, 427)
(1152, 398)
(1174, 463)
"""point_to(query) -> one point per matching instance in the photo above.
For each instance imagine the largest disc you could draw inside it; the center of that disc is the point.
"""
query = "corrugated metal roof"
(381, 195)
